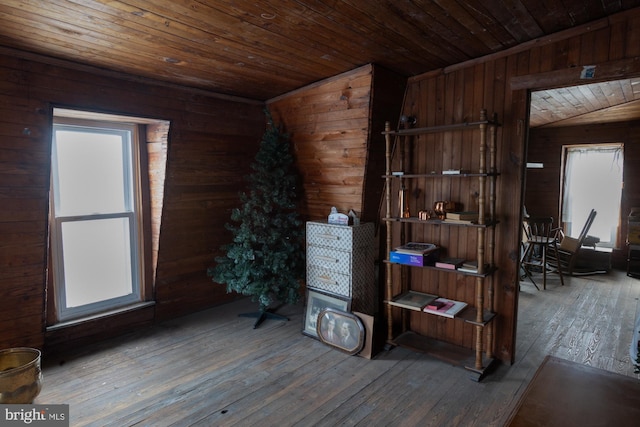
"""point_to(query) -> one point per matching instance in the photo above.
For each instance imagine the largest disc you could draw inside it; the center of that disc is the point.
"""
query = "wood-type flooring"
(212, 369)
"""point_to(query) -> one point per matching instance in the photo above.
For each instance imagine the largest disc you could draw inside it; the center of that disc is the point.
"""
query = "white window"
(96, 215)
(593, 180)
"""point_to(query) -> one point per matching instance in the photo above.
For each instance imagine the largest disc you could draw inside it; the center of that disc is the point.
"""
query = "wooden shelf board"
(469, 316)
(441, 175)
(487, 273)
(443, 128)
(450, 353)
(415, 219)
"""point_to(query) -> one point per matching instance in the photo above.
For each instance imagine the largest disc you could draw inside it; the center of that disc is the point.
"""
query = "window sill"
(109, 313)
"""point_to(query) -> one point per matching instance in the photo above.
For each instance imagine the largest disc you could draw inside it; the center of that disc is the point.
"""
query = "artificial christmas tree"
(266, 258)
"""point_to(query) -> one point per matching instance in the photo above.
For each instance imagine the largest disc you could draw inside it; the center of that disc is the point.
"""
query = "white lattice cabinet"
(340, 261)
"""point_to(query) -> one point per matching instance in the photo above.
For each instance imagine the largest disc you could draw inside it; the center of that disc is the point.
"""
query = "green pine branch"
(266, 258)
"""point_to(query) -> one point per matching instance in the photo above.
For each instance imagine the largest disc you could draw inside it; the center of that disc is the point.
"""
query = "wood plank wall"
(542, 193)
(457, 94)
(212, 140)
(335, 131)
(211, 143)
(157, 148)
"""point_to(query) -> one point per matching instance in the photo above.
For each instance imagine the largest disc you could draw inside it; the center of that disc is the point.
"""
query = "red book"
(450, 308)
(450, 263)
(436, 305)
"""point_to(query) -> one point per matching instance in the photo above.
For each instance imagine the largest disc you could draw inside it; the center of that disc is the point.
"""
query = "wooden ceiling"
(260, 49)
(591, 103)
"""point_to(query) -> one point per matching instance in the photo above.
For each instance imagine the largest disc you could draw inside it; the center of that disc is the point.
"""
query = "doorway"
(588, 115)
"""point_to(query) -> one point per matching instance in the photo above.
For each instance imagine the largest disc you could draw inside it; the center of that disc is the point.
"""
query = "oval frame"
(350, 344)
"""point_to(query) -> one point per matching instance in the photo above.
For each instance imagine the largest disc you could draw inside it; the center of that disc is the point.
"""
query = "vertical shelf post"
(388, 266)
(491, 240)
(481, 240)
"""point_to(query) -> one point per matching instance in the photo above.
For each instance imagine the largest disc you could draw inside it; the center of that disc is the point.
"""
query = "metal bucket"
(20, 375)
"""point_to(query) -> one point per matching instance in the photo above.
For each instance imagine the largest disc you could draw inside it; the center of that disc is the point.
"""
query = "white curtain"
(593, 180)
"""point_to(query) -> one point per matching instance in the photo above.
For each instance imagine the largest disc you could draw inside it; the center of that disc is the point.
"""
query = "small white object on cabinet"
(340, 261)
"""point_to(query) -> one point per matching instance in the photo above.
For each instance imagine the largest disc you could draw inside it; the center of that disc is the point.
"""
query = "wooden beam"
(624, 68)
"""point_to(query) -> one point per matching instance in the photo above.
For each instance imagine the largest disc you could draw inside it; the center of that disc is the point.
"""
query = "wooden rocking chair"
(569, 248)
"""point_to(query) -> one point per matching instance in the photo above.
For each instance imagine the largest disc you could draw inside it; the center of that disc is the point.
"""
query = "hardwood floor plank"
(212, 369)
(364, 400)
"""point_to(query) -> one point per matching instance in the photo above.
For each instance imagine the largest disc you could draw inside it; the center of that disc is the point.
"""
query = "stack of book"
(428, 303)
(461, 217)
(413, 300)
(449, 263)
(470, 267)
(445, 307)
(414, 253)
(455, 172)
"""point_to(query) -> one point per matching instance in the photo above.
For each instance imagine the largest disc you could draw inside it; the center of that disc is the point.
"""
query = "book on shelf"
(449, 263)
(417, 260)
(466, 216)
(460, 221)
(471, 267)
(471, 263)
(412, 300)
(454, 171)
(417, 248)
(447, 307)
(436, 304)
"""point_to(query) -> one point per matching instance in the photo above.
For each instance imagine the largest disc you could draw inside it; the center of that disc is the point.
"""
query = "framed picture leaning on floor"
(316, 302)
(341, 330)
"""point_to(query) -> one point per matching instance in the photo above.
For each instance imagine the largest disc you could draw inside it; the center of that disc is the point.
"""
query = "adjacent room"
(320, 212)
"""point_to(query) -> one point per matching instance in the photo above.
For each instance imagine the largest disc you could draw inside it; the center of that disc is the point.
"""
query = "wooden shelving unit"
(480, 312)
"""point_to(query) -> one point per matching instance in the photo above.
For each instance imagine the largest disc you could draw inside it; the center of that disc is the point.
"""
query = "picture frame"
(341, 330)
(318, 301)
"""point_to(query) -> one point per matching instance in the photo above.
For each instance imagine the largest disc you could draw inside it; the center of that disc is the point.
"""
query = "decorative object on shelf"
(337, 218)
(316, 302)
(341, 330)
(20, 375)
(425, 215)
(403, 203)
(442, 207)
(266, 258)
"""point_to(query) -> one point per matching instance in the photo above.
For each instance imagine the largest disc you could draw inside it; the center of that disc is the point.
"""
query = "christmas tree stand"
(264, 315)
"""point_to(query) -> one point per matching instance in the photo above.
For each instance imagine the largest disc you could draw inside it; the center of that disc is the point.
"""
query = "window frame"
(615, 235)
(138, 219)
